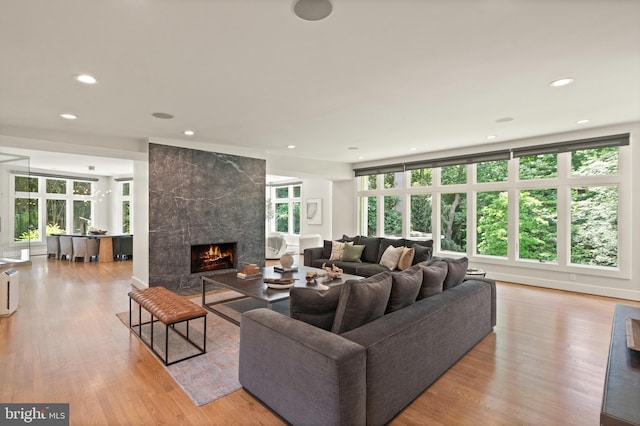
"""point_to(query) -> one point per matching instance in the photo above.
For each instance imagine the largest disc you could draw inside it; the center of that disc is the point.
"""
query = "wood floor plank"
(543, 364)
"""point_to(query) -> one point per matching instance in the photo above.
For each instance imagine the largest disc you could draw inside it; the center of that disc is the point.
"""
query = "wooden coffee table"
(257, 289)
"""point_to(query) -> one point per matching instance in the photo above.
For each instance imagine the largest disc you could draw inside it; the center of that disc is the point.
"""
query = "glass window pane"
(393, 180)
(56, 186)
(296, 191)
(368, 216)
(453, 211)
(126, 188)
(81, 213)
(454, 175)
(538, 166)
(492, 171)
(393, 216)
(26, 219)
(421, 215)
(282, 217)
(296, 217)
(26, 184)
(491, 223)
(81, 188)
(126, 217)
(593, 162)
(538, 225)
(56, 216)
(282, 192)
(421, 177)
(594, 226)
(372, 182)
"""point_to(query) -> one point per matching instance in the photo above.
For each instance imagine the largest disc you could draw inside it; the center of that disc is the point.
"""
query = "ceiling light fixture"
(189, 132)
(312, 10)
(413, 148)
(561, 82)
(86, 79)
(491, 137)
(68, 116)
(162, 115)
(291, 146)
(582, 121)
(504, 119)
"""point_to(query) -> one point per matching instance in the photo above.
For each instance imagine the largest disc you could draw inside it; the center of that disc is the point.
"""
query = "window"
(56, 216)
(283, 214)
(561, 208)
(125, 207)
(492, 223)
(26, 219)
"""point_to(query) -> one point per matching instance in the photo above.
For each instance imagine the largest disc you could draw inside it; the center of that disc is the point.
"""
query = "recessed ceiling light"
(504, 119)
(162, 115)
(291, 146)
(86, 79)
(413, 148)
(491, 137)
(361, 157)
(189, 132)
(68, 116)
(582, 121)
(353, 148)
(561, 82)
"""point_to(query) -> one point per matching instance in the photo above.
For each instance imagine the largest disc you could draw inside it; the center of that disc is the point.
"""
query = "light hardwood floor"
(543, 364)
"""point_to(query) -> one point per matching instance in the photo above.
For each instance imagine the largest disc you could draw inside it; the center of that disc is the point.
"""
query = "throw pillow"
(406, 258)
(371, 247)
(314, 307)
(326, 250)
(389, 242)
(362, 301)
(405, 287)
(422, 253)
(390, 257)
(352, 253)
(457, 271)
(433, 277)
(346, 239)
(337, 249)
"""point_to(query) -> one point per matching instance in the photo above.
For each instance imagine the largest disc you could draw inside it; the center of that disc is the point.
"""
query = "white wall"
(344, 211)
(140, 202)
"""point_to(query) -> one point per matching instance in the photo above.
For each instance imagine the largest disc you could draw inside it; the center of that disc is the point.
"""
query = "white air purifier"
(8, 291)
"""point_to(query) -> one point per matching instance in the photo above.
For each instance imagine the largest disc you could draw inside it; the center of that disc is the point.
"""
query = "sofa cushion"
(326, 251)
(352, 253)
(433, 277)
(369, 269)
(314, 307)
(406, 258)
(389, 242)
(457, 269)
(362, 301)
(405, 287)
(347, 239)
(370, 254)
(422, 253)
(391, 256)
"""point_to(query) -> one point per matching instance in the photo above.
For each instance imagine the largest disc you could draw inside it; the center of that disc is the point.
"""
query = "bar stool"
(93, 248)
(53, 246)
(80, 248)
(66, 247)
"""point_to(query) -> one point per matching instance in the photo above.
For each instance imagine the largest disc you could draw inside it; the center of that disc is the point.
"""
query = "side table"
(475, 272)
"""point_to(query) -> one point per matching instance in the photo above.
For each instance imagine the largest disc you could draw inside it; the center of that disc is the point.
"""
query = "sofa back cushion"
(370, 254)
(456, 270)
(362, 301)
(313, 306)
(421, 253)
(405, 287)
(433, 277)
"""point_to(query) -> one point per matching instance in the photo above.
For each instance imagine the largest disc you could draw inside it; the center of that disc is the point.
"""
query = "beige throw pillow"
(337, 250)
(406, 258)
(391, 256)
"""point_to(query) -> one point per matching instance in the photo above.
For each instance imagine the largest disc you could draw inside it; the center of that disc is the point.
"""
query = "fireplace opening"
(213, 257)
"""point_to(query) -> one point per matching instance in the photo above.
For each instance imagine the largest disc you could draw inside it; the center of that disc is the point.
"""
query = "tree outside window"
(453, 175)
(56, 216)
(393, 216)
(538, 225)
(421, 211)
(543, 166)
(26, 219)
(492, 171)
(453, 219)
(491, 223)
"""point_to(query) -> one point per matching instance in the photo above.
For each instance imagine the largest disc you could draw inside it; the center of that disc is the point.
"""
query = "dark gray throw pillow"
(371, 248)
(457, 271)
(362, 301)
(405, 287)
(313, 306)
(326, 250)
(432, 278)
(422, 253)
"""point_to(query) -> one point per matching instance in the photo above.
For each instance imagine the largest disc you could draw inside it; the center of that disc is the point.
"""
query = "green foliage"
(421, 211)
(594, 226)
(539, 167)
(421, 177)
(392, 180)
(26, 184)
(372, 216)
(282, 217)
(492, 222)
(56, 186)
(392, 216)
(592, 162)
(453, 211)
(492, 171)
(453, 175)
(372, 181)
(538, 225)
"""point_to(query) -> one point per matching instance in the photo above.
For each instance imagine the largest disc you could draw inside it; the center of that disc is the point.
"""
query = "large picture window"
(555, 204)
(283, 208)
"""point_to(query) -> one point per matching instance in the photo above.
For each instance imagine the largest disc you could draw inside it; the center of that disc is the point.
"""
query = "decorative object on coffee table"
(633, 334)
(279, 283)
(286, 260)
(250, 271)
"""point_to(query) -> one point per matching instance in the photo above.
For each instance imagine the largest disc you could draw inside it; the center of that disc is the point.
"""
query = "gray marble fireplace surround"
(201, 197)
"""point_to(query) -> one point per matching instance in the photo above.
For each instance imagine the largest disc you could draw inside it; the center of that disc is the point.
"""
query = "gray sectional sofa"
(310, 375)
(368, 263)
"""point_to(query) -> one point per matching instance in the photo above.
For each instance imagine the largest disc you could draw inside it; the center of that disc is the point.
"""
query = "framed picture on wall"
(314, 211)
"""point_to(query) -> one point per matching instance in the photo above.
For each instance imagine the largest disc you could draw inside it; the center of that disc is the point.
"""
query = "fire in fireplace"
(213, 257)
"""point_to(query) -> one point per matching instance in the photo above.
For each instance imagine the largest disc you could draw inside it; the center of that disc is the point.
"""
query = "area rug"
(213, 375)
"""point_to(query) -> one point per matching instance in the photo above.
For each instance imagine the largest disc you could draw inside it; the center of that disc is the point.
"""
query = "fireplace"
(213, 257)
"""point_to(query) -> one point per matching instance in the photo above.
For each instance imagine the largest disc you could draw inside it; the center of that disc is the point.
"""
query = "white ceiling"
(378, 75)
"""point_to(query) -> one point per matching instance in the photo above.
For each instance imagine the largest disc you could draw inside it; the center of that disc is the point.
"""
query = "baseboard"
(137, 283)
